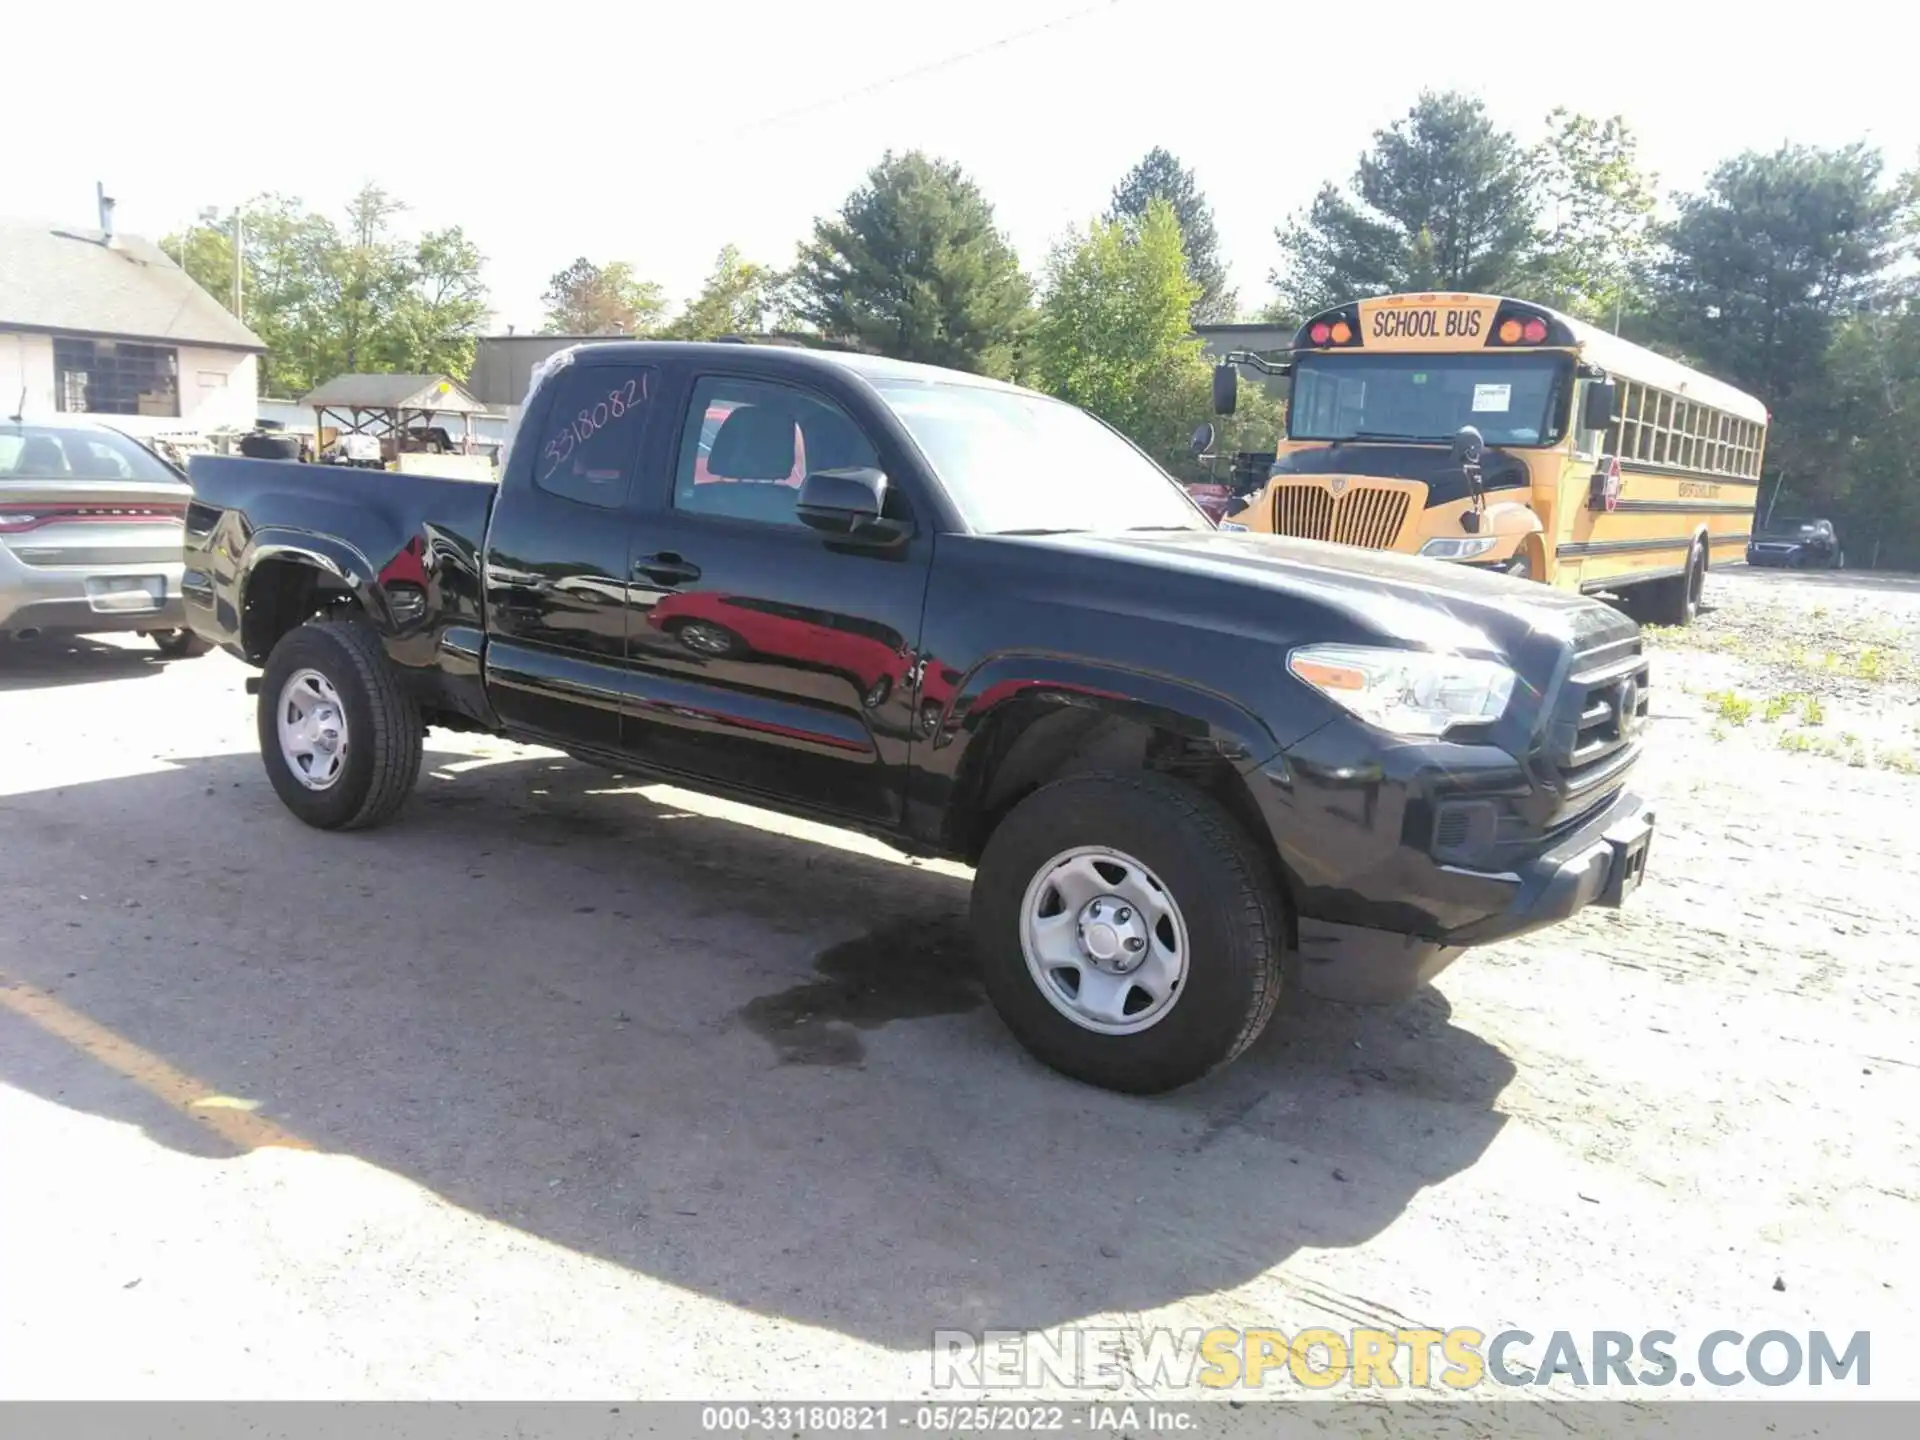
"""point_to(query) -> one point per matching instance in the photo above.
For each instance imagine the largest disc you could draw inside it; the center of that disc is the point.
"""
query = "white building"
(97, 323)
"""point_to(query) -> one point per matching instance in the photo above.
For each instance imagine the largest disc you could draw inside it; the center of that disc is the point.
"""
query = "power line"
(928, 69)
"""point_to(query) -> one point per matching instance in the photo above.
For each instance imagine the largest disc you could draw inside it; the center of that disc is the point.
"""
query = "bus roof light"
(1342, 332)
(1509, 332)
(1320, 333)
(1535, 331)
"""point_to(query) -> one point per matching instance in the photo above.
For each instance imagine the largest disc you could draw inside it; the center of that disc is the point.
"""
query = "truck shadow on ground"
(755, 1066)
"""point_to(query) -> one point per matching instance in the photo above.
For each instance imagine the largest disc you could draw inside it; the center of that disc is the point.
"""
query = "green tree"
(736, 300)
(1114, 333)
(326, 299)
(1757, 275)
(1443, 201)
(1876, 386)
(1159, 176)
(590, 299)
(435, 326)
(1760, 266)
(913, 267)
(1597, 216)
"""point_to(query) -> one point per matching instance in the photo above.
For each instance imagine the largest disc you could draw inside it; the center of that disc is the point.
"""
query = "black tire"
(1231, 905)
(384, 731)
(178, 644)
(263, 445)
(1674, 601)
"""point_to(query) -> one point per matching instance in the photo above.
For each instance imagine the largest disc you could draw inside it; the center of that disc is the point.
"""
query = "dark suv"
(1797, 544)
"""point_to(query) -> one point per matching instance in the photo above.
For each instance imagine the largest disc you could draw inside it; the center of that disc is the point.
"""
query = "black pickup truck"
(1191, 767)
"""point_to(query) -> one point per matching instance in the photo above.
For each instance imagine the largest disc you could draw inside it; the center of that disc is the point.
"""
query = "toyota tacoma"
(1191, 768)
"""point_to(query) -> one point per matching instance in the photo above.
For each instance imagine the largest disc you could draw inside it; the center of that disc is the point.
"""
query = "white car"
(91, 524)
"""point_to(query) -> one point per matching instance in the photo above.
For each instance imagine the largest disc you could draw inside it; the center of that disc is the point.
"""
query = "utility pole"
(239, 237)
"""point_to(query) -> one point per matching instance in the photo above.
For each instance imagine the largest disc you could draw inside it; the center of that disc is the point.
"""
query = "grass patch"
(1850, 750)
(1730, 707)
(1812, 712)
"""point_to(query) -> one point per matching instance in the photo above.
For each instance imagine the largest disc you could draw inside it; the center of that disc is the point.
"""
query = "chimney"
(106, 210)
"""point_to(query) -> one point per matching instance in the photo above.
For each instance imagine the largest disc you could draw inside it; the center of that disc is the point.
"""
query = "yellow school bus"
(1492, 432)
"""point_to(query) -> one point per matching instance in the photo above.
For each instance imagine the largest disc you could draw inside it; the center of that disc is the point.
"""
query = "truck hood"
(1428, 603)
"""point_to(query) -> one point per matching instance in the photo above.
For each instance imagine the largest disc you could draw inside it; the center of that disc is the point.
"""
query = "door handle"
(666, 568)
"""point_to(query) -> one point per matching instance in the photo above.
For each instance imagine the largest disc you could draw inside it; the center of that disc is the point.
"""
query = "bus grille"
(1368, 516)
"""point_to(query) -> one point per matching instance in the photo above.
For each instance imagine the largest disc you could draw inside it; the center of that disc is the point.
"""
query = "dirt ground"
(565, 1086)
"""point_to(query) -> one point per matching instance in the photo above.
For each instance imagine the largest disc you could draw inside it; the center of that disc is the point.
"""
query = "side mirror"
(1602, 395)
(1202, 440)
(850, 504)
(1468, 446)
(1226, 389)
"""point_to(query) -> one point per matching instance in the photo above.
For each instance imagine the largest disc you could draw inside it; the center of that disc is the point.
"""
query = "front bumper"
(76, 600)
(1378, 916)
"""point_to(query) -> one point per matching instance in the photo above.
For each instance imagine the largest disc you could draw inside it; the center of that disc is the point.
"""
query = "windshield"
(1016, 462)
(1509, 399)
(48, 452)
(1790, 527)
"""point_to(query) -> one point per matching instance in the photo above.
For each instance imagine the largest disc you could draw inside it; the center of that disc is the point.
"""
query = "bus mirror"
(1202, 438)
(1226, 389)
(1601, 396)
(1468, 446)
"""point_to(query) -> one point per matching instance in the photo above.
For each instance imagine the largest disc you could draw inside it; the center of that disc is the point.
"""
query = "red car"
(1212, 498)
(720, 627)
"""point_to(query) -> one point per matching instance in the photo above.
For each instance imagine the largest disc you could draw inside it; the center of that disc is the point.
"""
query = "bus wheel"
(1676, 601)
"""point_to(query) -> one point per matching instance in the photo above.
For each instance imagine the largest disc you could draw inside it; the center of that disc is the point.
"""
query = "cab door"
(764, 655)
(556, 564)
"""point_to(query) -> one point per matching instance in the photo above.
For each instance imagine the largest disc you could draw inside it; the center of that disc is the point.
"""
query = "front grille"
(1598, 722)
(1370, 516)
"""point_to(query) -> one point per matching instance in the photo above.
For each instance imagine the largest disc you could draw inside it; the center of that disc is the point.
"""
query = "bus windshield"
(1511, 399)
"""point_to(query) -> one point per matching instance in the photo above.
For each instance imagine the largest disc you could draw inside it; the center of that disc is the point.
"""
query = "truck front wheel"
(339, 736)
(1129, 933)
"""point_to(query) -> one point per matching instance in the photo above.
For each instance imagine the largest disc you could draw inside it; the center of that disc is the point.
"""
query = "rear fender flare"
(332, 557)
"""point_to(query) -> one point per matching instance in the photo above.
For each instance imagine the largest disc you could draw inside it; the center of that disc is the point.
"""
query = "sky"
(657, 132)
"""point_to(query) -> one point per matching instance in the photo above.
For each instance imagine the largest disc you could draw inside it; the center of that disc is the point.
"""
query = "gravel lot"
(613, 1091)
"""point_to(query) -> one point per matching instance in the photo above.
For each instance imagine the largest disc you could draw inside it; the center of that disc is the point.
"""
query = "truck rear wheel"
(340, 738)
(1129, 933)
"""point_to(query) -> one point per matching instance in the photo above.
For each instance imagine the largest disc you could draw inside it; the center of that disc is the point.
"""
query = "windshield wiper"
(1136, 529)
(1065, 530)
(1390, 435)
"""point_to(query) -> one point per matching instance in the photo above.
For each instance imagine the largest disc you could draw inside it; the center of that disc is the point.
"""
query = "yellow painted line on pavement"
(228, 1116)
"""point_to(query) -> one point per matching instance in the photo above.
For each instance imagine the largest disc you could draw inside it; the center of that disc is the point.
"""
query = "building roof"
(66, 279)
(440, 393)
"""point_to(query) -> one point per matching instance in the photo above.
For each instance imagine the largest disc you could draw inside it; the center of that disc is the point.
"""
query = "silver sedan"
(90, 530)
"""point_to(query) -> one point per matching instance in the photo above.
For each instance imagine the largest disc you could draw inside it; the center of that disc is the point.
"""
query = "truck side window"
(748, 444)
(592, 434)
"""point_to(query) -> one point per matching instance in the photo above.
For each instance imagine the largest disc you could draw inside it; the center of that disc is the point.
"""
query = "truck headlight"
(1415, 693)
(1458, 547)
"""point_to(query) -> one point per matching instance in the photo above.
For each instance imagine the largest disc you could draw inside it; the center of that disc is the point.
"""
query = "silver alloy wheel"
(313, 729)
(705, 639)
(1104, 940)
